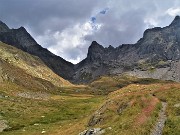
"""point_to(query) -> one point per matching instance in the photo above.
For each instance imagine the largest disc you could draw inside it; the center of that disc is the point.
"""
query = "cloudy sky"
(67, 27)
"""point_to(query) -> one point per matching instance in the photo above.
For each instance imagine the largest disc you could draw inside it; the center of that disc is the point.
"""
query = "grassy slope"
(131, 110)
(18, 76)
(171, 95)
(30, 64)
(106, 84)
(134, 108)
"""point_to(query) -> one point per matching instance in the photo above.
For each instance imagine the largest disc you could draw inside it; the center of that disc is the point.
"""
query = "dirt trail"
(161, 120)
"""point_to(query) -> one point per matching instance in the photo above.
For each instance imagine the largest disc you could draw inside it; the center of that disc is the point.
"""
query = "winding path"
(158, 129)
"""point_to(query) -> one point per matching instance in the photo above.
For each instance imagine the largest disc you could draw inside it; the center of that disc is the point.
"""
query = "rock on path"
(93, 131)
(3, 125)
(160, 123)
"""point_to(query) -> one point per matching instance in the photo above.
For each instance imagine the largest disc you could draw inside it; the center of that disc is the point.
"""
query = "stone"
(177, 105)
(93, 131)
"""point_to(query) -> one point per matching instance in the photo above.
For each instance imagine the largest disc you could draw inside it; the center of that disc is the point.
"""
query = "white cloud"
(173, 11)
(69, 40)
(77, 60)
(151, 22)
(73, 37)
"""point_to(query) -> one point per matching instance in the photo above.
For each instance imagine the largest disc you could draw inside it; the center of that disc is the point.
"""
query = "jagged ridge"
(155, 55)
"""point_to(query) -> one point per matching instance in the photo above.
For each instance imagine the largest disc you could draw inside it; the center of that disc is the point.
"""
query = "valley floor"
(136, 109)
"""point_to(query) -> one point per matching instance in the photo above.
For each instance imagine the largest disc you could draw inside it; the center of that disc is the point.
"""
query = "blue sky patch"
(104, 11)
(93, 19)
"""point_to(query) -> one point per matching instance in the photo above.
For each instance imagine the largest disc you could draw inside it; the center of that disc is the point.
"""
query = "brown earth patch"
(146, 112)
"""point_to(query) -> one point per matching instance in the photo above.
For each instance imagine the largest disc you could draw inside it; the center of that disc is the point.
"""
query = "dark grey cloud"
(43, 14)
(67, 27)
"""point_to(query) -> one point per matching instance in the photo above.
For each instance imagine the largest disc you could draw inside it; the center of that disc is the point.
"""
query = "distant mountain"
(155, 55)
(23, 69)
(21, 39)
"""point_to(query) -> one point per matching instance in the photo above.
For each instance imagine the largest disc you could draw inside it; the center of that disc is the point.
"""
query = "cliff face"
(21, 39)
(163, 42)
(155, 55)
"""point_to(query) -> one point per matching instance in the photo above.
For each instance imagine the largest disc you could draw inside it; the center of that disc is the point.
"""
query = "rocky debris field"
(34, 95)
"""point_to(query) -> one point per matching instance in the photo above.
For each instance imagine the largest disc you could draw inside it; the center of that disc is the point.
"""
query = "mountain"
(155, 55)
(23, 69)
(21, 39)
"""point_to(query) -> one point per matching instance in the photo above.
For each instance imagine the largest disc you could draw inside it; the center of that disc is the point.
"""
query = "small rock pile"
(93, 131)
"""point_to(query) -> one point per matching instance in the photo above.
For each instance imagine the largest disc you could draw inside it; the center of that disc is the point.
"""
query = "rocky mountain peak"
(22, 29)
(25, 39)
(94, 52)
(110, 47)
(3, 27)
(94, 46)
(176, 21)
(16, 37)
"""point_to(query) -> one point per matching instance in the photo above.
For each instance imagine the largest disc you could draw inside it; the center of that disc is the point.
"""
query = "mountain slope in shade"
(23, 69)
(21, 39)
